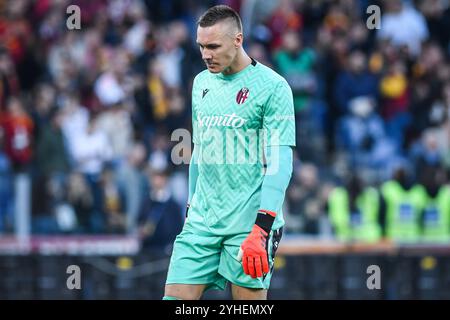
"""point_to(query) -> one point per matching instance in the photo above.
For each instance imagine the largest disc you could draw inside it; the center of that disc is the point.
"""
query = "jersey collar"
(240, 73)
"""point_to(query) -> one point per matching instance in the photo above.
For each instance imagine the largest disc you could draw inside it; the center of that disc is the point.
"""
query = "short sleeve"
(279, 117)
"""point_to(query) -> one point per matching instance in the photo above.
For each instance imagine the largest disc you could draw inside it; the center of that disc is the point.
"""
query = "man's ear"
(238, 40)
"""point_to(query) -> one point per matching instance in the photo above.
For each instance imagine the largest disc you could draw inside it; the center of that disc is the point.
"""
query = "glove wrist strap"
(265, 220)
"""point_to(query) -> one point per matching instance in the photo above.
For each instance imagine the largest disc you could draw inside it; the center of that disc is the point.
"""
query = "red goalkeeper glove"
(254, 251)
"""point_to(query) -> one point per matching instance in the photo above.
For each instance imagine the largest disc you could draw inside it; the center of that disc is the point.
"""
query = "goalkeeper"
(234, 219)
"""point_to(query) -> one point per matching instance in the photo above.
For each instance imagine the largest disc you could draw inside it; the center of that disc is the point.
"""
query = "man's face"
(357, 62)
(219, 45)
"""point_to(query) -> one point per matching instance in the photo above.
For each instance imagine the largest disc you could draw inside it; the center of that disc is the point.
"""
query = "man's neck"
(241, 61)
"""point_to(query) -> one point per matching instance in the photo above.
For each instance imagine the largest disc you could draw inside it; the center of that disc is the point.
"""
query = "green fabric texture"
(234, 117)
(170, 298)
(278, 174)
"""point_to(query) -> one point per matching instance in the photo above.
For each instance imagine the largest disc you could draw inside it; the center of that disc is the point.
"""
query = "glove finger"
(245, 265)
(265, 264)
(258, 267)
(251, 267)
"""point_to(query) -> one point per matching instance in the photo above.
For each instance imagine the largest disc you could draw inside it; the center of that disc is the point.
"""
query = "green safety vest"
(436, 217)
(362, 227)
(403, 209)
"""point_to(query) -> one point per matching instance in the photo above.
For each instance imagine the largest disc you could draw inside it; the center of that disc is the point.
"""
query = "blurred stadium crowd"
(87, 115)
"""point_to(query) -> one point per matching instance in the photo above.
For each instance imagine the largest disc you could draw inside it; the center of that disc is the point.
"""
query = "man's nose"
(206, 54)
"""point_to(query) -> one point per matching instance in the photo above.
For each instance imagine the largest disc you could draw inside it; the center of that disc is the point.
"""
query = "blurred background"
(86, 117)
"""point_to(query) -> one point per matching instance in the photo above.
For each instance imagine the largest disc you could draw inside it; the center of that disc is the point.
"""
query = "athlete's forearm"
(193, 173)
(276, 181)
(279, 171)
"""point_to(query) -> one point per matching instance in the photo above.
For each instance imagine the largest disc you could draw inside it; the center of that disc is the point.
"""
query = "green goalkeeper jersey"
(234, 117)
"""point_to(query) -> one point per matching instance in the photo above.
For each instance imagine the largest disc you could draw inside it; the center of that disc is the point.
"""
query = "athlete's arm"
(254, 248)
(193, 175)
(279, 171)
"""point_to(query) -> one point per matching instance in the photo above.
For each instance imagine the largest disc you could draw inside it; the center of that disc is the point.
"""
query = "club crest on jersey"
(242, 95)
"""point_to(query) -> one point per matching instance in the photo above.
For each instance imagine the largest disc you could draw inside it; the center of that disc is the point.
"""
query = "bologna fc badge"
(242, 95)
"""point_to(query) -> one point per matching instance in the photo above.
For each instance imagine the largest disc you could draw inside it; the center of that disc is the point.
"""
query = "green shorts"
(201, 257)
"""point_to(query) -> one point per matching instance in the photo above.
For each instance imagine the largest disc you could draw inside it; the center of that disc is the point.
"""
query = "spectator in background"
(435, 222)
(439, 110)
(442, 116)
(51, 152)
(74, 123)
(79, 197)
(359, 36)
(91, 149)
(52, 158)
(284, 17)
(9, 82)
(437, 15)
(134, 38)
(170, 56)
(50, 21)
(403, 25)
(160, 219)
(354, 81)
(110, 86)
(43, 216)
(17, 129)
(394, 91)
(17, 35)
(425, 154)
(112, 202)
(403, 201)
(159, 156)
(361, 134)
(44, 101)
(427, 83)
(176, 119)
(91, 153)
(133, 183)
(295, 63)
(115, 122)
(177, 112)
(333, 52)
(6, 192)
(51, 165)
(191, 61)
(305, 203)
(143, 116)
(381, 56)
(353, 210)
(337, 20)
(157, 90)
(65, 58)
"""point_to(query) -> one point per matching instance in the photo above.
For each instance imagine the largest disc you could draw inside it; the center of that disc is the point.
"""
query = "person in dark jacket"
(161, 218)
